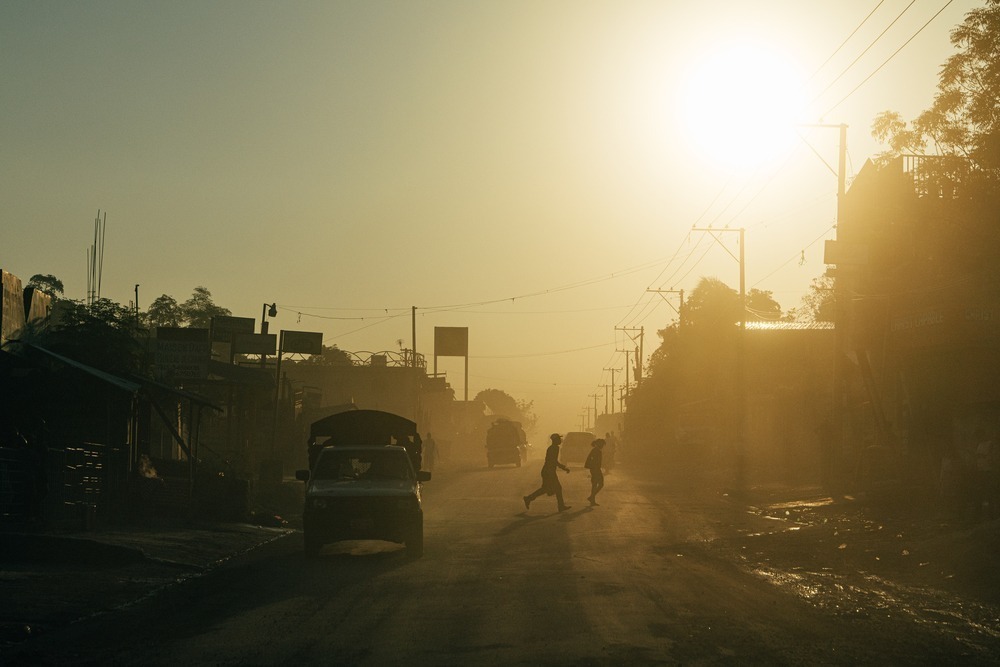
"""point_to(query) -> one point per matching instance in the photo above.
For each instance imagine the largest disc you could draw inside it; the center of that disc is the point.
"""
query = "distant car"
(575, 447)
(363, 493)
(505, 443)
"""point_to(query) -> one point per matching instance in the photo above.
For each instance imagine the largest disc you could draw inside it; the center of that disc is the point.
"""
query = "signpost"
(294, 342)
(452, 342)
(225, 327)
(183, 353)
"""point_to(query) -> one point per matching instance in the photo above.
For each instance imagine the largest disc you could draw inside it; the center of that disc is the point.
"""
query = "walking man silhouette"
(550, 480)
(593, 464)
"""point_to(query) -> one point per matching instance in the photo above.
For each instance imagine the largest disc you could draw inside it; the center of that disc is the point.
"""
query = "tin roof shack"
(210, 429)
(922, 315)
(77, 425)
(789, 378)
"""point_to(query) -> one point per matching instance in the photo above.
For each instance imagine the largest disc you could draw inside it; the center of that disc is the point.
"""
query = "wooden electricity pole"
(741, 398)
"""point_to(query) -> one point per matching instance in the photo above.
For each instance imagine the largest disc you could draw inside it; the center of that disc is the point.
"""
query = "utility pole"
(266, 311)
(613, 370)
(625, 384)
(841, 309)
(740, 362)
(679, 308)
(595, 397)
(639, 352)
(605, 387)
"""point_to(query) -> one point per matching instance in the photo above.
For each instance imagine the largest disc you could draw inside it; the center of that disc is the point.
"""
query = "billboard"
(252, 343)
(451, 341)
(302, 342)
(224, 327)
(182, 353)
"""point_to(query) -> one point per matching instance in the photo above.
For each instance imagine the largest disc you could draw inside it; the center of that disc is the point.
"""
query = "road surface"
(660, 573)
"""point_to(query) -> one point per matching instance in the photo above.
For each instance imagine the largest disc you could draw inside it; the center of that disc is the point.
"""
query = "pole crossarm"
(628, 330)
(711, 231)
(661, 292)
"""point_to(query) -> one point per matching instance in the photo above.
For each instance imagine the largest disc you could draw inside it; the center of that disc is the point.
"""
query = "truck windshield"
(387, 464)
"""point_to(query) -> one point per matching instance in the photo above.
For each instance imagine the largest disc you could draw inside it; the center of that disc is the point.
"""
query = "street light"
(269, 310)
(270, 470)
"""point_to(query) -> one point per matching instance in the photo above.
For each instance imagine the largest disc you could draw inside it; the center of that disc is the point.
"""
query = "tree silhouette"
(48, 284)
(164, 311)
(199, 310)
(962, 122)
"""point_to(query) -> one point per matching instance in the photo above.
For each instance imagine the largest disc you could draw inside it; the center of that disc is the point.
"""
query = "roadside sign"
(224, 327)
(252, 343)
(183, 353)
(302, 342)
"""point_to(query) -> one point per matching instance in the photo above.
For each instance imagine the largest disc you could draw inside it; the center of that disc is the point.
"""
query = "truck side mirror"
(302, 475)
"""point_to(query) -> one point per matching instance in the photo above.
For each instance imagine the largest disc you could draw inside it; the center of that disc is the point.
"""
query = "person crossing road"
(594, 464)
(550, 479)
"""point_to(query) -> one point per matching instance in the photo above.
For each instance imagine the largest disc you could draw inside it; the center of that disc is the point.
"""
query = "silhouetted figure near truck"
(550, 480)
(593, 464)
(430, 453)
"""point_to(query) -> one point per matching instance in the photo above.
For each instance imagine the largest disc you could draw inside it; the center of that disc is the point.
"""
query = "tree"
(164, 312)
(48, 284)
(760, 305)
(104, 335)
(332, 356)
(962, 122)
(199, 310)
(819, 304)
(713, 304)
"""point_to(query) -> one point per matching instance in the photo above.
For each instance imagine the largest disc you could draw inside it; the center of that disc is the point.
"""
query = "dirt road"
(659, 573)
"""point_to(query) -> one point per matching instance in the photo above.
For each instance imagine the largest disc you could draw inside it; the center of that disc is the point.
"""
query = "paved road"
(657, 574)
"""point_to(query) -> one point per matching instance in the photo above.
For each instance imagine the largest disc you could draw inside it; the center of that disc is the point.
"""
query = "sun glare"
(738, 106)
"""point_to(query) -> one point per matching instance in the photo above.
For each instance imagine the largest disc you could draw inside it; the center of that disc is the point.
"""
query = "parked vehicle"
(505, 443)
(362, 482)
(363, 493)
(575, 447)
(365, 427)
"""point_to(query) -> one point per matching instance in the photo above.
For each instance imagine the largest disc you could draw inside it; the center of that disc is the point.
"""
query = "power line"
(886, 62)
(541, 312)
(867, 48)
(844, 43)
(793, 257)
(540, 354)
(301, 311)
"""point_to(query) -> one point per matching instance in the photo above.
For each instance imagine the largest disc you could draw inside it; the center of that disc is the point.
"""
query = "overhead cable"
(886, 62)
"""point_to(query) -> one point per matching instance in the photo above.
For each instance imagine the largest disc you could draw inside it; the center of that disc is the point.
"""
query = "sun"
(738, 105)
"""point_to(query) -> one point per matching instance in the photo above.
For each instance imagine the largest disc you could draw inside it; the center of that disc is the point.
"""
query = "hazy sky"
(523, 168)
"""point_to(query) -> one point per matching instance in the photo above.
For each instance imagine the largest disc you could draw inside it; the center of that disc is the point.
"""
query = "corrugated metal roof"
(114, 380)
(790, 326)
